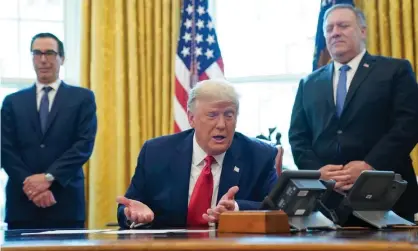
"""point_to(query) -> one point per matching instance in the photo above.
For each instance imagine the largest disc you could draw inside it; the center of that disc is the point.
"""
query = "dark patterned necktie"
(44, 108)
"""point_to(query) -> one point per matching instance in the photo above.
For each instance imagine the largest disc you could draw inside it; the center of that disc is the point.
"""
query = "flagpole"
(194, 76)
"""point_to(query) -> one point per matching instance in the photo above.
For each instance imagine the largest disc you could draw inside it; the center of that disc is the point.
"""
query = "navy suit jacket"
(379, 122)
(161, 178)
(63, 149)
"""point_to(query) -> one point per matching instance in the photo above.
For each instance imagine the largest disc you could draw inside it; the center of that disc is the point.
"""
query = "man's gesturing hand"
(226, 203)
(136, 211)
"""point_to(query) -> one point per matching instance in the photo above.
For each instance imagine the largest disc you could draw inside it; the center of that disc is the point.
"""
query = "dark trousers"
(45, 225)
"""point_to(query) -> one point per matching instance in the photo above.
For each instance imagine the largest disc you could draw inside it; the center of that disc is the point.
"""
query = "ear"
(190, 117)
(62, 60)
(363, 33)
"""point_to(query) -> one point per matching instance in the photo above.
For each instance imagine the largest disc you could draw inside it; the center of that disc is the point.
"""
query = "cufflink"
(49, 177)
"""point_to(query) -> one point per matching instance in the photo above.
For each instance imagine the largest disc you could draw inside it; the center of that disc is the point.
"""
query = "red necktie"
(201, 198)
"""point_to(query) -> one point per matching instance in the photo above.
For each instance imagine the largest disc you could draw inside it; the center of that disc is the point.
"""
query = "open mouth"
(218, 138)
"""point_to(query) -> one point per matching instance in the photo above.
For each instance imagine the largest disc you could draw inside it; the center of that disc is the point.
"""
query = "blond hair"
(213, 89)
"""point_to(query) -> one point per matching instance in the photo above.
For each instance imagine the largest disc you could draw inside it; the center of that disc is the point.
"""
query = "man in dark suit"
(189, 178)
(359, 112)
(47, 133)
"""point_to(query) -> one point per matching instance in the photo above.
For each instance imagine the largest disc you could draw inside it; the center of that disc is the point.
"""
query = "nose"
(43, 58)
(335, 32)
(221, 122)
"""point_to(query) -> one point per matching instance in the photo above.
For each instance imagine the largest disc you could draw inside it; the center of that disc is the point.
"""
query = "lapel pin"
(236, 169)
(366, 65)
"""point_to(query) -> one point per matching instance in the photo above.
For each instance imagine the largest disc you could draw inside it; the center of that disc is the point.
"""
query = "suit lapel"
(363, 70)
(326, 85)
(33, 111)
(180, 168)
(230, 175)
(58, 102)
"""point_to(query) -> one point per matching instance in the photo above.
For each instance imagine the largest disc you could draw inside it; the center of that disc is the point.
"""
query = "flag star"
(199, 38)
(200, 24)
(198, 51)
(185, 51)
(187, 37)
(210, 39)
(209, 53)
(188, 23)
(201, 10)
(189, 9)
(210, 25)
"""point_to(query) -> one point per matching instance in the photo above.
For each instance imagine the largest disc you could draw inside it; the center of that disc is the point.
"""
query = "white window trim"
(72, 40)
(283, 78)
(72, 31)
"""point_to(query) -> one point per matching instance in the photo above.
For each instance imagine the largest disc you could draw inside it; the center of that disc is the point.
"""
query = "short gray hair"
(361, 18)
(213, 89)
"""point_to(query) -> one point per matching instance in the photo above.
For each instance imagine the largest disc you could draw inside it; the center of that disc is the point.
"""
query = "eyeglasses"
(49, 54)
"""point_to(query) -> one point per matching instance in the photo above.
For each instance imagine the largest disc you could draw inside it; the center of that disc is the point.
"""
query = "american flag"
(198, 56)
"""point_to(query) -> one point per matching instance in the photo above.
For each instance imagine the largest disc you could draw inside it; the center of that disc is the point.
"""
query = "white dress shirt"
(198, 163)
(51, 93)
(354, 64)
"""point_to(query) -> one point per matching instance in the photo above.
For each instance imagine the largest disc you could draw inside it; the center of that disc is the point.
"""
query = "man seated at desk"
(190, 178)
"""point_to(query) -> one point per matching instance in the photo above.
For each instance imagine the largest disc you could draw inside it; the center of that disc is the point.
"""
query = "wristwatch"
(49, 177)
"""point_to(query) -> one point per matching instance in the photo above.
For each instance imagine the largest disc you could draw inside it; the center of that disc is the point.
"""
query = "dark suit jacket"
(161, 178)
(61, 151)
(379, 122)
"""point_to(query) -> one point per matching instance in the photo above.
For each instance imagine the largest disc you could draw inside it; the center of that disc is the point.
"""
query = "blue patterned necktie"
(341, 89)
(44, 108)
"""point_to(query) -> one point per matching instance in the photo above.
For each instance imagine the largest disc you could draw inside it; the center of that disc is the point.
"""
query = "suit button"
(339, 132)
(42, 146)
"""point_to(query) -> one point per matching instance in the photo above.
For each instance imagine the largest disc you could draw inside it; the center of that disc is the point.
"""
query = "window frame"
(72, 39)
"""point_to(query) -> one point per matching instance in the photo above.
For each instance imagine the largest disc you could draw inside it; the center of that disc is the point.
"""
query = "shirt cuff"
(236, 207)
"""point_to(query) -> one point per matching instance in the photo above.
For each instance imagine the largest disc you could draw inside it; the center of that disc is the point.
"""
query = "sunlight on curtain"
(128, 50)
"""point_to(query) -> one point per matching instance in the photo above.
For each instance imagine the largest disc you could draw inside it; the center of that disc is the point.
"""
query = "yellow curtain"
(392, 30)
(128, 49)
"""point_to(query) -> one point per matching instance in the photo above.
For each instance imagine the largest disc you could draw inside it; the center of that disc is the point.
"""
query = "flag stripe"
(182, 74)
(203, 76)
(214, 71)
(181, 94)
(181, 116)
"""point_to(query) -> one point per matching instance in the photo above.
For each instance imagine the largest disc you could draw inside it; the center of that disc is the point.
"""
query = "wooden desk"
(314, 241)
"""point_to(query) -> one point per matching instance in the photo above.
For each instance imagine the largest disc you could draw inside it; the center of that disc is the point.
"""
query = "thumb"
(123, 200)
(52, 198)
(231, 193)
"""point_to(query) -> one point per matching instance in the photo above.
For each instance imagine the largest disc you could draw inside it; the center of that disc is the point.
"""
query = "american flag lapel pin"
(236, 169)
(366, 65)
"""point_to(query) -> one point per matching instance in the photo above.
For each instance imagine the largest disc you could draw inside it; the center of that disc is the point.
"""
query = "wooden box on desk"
(254, 222)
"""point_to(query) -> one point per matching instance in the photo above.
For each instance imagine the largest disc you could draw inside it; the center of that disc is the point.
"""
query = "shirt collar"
(54, 85)
(199, 154)
(354, 63)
